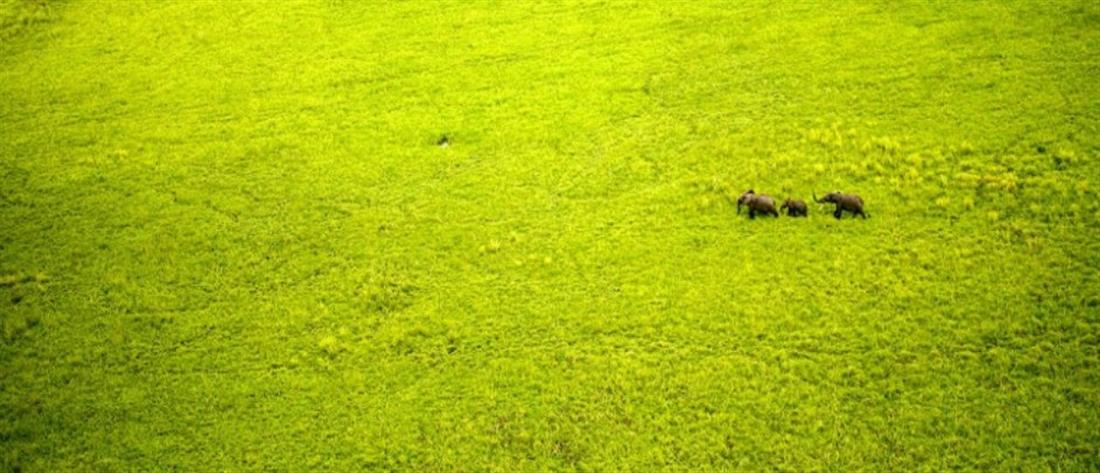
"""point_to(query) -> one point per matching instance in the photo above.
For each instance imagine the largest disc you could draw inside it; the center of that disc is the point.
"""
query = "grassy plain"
(230, 242)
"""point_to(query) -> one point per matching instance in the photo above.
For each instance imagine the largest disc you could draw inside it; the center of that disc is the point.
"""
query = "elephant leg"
(775, 214)
(836, 214)
(752, 213)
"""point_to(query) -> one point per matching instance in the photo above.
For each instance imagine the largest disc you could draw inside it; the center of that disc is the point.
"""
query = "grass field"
(229, 240)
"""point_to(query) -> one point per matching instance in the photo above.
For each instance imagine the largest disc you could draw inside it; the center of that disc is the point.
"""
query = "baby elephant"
(844, 202)
(794, 208)
(757, 203)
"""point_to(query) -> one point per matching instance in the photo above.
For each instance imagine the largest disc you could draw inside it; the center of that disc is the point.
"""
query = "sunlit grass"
(231, 238)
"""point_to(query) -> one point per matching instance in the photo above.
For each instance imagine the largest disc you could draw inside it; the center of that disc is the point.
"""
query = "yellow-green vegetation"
(231, 241)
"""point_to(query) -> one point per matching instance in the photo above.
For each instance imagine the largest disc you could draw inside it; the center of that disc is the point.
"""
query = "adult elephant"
(844, 203)
(757, 203)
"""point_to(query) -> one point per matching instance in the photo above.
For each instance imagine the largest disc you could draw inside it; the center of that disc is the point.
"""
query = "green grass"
(228, 240)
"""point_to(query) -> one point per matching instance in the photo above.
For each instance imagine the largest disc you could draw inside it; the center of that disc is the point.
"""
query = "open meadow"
(232, 237)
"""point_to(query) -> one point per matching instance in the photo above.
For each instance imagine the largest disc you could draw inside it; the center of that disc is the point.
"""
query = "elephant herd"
(763, 204)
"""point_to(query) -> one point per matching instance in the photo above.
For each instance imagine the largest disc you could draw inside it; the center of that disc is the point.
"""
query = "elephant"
(757, 203)
(850, 202)
(794, 208)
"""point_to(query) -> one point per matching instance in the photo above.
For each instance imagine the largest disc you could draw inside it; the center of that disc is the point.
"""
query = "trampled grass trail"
(230, 240)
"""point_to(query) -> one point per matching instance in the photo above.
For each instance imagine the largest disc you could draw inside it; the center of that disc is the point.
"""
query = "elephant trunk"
(738, 207)
(816, 199)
